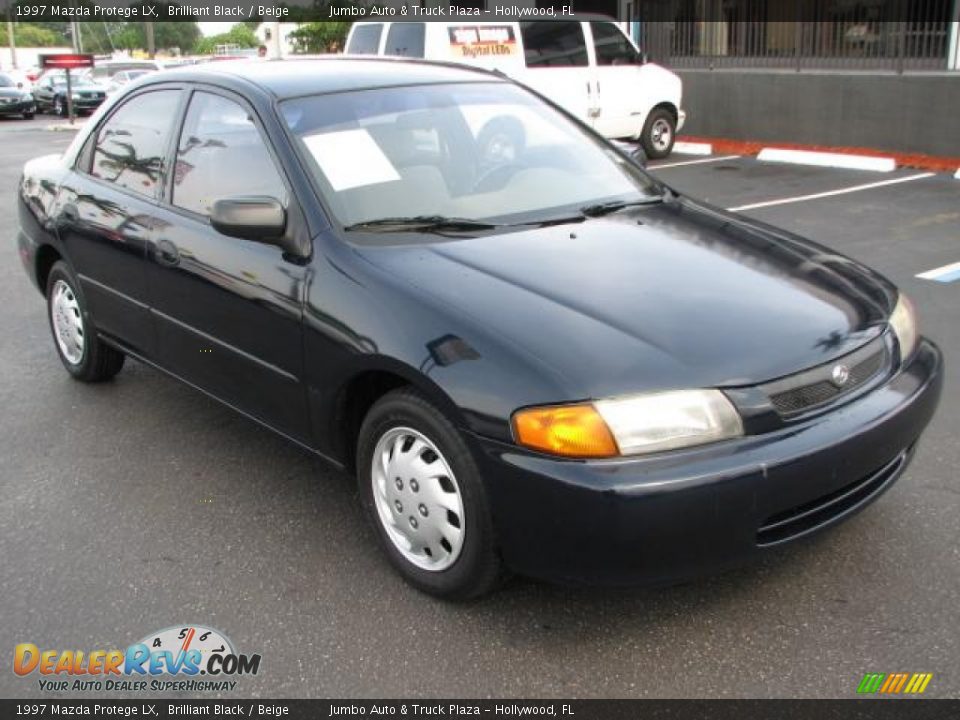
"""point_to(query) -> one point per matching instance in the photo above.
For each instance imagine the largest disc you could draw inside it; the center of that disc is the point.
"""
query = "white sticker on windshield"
(350, 158)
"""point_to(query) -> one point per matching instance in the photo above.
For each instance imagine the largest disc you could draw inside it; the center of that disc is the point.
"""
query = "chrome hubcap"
(67, 322)
(418, 500)
(660, 134)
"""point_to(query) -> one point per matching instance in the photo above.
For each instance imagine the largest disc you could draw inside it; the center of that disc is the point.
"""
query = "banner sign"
(64, 61)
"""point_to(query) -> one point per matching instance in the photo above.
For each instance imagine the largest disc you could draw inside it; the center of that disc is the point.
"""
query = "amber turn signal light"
(568, 430)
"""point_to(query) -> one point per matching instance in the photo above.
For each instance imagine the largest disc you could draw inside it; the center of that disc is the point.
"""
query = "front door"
(557, 65)
(227, 311)
(620, 95)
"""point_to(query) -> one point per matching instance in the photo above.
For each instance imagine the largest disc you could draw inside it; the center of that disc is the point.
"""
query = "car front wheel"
(83, 354)
(659, 133)
(423, 494)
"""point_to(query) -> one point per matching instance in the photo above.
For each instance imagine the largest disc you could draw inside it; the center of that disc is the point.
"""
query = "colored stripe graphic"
(918, 683)
(894, 683)
(871, 682)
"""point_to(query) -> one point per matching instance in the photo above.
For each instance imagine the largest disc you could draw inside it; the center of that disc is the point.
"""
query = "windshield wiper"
(615, 205)
(422, 223)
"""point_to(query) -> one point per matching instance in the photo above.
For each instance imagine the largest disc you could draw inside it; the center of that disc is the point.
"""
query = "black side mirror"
(258, 218)
(19, 84)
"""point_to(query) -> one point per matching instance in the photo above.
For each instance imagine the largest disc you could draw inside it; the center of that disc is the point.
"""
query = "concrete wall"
(906, 113)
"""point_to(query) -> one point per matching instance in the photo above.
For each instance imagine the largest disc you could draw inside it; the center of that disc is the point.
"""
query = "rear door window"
(405, 39)
(553, 44)
(131, 147)
(365, 39)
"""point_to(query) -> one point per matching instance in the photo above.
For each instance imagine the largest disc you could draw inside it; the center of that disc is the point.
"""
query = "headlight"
(631, 425)
(903, 320)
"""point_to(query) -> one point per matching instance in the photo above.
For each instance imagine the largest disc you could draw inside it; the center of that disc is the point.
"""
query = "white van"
(591, 68)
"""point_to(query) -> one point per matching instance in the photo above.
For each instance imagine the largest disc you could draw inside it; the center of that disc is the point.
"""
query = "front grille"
(814, 388)
(803, 519)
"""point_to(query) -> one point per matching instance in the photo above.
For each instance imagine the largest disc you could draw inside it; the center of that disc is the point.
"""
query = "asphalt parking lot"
(141, 504)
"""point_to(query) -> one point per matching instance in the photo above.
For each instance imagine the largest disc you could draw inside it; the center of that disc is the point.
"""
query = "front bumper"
(681, 514)
(18, 108)
(87, 105)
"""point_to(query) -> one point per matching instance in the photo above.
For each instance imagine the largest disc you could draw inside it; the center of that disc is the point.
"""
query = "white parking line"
(694, 162)
(944, 273)
(830, 193)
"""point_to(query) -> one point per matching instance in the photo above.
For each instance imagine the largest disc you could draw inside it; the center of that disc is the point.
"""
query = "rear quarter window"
(365, 39)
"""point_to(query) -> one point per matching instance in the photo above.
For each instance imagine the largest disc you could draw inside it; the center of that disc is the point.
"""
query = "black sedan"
(541, 359)
(50, 92)
(15, 99)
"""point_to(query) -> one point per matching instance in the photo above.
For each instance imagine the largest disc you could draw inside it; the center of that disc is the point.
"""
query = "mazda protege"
(533, 355)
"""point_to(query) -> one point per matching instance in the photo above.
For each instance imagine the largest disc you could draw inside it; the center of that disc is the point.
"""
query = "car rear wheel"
(659, 133)
(28, 116)
(422, 492)
(83, 354)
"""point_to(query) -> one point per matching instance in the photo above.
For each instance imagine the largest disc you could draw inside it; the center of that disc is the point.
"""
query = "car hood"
(670, 296)
(7, 92)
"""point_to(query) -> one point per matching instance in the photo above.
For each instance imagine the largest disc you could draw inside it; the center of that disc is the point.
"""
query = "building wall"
(904, 113)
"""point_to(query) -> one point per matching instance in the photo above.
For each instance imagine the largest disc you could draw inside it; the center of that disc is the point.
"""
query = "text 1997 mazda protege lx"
(532, 354)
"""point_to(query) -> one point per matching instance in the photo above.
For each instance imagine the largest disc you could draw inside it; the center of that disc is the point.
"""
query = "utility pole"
(13, 45)
(75, 36)
(151, 42)
(275, 41)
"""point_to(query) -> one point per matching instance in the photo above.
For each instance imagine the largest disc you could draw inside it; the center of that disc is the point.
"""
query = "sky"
(215, 28)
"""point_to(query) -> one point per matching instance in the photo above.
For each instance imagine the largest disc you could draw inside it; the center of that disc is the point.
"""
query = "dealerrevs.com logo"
(189, 658)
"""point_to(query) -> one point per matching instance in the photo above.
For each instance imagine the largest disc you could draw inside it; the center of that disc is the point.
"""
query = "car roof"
(292, 77)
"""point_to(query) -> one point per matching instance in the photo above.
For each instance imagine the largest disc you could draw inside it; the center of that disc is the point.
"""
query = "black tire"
(98, 361)
(476, 569)
(28, 116)
(659, 120)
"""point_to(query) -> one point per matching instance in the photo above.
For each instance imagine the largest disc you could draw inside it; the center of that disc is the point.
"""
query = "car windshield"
(471, 151)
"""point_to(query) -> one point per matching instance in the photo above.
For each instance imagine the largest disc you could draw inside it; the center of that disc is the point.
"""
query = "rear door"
(227, 311)
(111, 211)
(405, 39)
(364, 39)
(557, 65)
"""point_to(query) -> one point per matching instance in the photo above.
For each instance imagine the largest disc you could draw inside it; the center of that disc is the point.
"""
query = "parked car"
(549, 361)
(105, 71)
(14, 99)
(50, 93)
(590, 68)
(122, 78)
